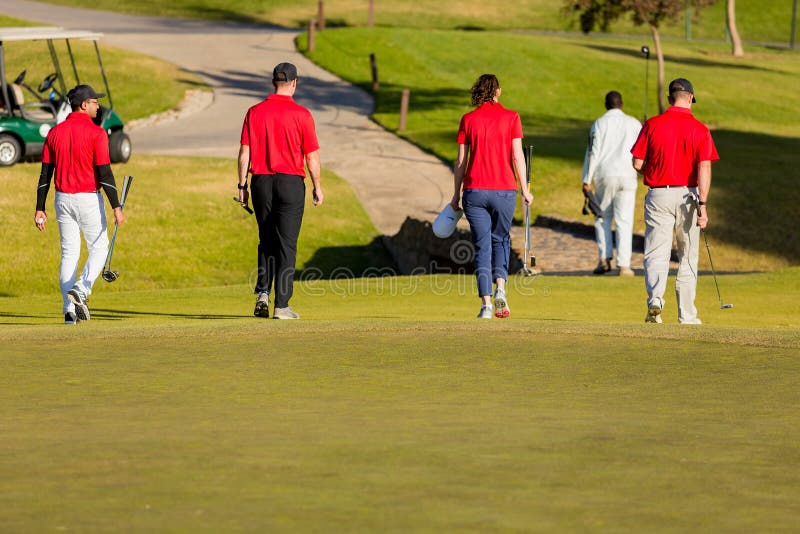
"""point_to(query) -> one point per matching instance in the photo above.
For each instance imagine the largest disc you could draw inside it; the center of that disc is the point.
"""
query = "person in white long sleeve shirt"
(608, 164)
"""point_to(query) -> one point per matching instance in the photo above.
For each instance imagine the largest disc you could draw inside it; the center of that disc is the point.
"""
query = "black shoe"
(262, 305)
(77, 297)
(70, 318)
(603, 267)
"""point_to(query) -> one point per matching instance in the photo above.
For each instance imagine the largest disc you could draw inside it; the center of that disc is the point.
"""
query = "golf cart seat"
(33, 111)
(14, 97)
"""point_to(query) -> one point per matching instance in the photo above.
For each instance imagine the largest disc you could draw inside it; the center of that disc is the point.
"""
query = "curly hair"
(484, 89)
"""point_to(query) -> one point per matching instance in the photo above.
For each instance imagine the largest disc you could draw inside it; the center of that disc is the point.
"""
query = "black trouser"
(278, 201)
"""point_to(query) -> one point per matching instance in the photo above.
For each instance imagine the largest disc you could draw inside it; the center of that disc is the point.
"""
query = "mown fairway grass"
(558, 84)
(768, 20)
(386, 409)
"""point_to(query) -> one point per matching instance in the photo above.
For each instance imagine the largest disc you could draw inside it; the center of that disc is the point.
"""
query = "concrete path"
(392, 178)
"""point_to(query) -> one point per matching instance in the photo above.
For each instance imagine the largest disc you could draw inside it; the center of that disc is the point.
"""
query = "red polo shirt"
(489, 131)
(672, 145)
(280, 133)
(75, 146)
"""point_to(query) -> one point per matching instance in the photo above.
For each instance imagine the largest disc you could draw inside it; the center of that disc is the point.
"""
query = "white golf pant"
(617, 198)
(665, 210)
(78, 213)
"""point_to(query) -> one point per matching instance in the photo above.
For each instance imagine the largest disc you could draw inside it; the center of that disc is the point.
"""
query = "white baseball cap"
(445, 223)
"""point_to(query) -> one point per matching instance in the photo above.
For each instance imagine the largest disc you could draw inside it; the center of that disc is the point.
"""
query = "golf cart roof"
(35, 33)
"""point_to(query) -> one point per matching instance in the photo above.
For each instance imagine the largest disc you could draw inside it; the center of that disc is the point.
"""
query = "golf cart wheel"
(10, 150)
(119, 147)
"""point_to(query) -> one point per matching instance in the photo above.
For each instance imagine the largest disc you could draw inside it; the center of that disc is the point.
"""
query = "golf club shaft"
(713, 272)
(529, 171)
(126, 186)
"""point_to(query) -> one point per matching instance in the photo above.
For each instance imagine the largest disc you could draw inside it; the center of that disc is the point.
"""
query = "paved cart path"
(392, 178)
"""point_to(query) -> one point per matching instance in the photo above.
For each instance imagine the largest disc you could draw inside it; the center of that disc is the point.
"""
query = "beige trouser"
(666, 209)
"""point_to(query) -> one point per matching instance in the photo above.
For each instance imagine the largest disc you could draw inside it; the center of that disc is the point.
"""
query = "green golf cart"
(28, 113)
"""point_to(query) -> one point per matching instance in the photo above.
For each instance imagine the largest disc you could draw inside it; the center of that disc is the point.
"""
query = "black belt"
(666, 186)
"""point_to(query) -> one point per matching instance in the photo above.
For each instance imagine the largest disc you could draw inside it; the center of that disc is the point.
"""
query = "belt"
(667, 186)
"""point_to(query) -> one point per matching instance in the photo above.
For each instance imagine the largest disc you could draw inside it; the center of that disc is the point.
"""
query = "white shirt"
(609, 150)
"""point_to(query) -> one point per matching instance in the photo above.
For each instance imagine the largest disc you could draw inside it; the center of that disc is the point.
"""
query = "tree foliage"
(599, 14)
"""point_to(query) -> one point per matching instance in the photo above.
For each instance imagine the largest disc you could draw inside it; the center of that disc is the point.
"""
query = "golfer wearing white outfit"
(608, 163)
(76, 152)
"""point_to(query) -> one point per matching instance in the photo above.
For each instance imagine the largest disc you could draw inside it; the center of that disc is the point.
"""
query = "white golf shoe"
(486, 312)
(501, 309)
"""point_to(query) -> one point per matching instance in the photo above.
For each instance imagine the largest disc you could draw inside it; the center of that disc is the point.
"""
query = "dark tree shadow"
(678, 60)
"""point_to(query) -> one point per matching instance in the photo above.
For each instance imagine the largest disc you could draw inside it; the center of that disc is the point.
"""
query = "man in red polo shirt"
(674, 151)
(77, 152)
(278, 138)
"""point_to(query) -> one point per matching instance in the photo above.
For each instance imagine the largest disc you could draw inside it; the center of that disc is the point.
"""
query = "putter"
(108, 274)
(527, 271)
(722, 305)
(244, 206)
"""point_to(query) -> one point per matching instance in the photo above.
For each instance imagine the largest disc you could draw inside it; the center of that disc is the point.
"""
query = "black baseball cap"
(682, 84)
(284, 72)
(80, 94)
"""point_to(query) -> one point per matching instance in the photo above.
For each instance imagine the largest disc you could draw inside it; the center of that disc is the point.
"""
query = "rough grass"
(753, 195)
(184, 230)
(757, 21)
(388, 410)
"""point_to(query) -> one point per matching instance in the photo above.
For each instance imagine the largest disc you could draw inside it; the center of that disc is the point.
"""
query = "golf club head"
(726, 307)
(110, 276)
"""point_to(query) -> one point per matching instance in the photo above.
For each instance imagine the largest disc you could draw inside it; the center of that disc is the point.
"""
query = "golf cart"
(27, 114)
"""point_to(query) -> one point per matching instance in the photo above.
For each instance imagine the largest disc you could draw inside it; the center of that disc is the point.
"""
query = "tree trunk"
(730, 20)
(660, 56)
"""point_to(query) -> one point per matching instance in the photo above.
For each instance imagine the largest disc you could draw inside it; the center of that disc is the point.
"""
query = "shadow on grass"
(635, 52)
(754, 193)
(329, 263)
(108, 314)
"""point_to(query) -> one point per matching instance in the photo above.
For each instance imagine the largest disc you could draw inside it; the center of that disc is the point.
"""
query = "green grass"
(181, 232)
(387, 409)
(130, 75)
(757, 136)
(757, 21)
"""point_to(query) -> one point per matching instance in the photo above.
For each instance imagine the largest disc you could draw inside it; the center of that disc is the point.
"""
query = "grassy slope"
(174, 410)
(130, 75)
(757, 136)
(180, 232)
(757, 21)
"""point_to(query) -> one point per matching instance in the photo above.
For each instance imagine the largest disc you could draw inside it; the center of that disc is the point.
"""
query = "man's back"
(613, 135)
(280, 133)
(671, 144)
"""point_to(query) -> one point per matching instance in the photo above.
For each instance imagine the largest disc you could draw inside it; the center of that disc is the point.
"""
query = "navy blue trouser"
(490, 213)
(278, 202)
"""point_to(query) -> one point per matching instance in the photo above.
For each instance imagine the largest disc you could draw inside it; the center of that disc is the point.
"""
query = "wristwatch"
(701, 203)
(244, 187)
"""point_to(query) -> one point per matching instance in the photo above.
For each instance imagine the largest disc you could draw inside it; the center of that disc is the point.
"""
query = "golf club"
(526, 271)
(244, 206)
(722, 305)
(646, 52)
(108, 274)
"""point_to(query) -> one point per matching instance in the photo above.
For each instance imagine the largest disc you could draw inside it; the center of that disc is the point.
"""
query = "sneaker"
(70, 318)
(284, 313)
(603, 266)
(501, 308)
(262, 305)
(696, 320)
(486, 312)
(77, 297)
(626, 271)
(653, 314)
